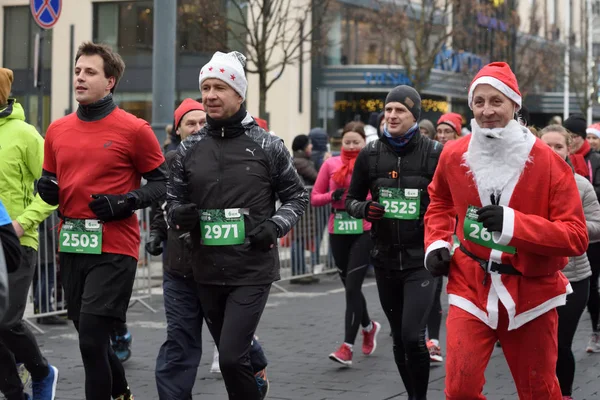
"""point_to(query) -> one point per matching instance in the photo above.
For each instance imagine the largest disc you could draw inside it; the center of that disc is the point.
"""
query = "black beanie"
(577, 124)
(300, 142)
(408, 96)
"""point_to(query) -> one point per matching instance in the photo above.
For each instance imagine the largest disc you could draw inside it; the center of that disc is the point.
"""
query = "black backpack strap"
(374, 153)
(428, 160)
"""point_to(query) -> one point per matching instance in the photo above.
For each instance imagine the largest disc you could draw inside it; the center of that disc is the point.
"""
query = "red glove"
(374, 211)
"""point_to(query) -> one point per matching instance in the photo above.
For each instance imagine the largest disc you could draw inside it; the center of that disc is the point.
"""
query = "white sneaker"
(593, 345)
(215, 368)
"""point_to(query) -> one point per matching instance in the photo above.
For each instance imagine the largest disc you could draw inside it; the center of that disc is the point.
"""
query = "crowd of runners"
(504, 213)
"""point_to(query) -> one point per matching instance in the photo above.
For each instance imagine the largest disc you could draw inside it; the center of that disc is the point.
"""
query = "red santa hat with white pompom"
(500, 77)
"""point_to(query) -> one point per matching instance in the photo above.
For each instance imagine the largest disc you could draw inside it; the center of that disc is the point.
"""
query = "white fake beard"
(497, 156)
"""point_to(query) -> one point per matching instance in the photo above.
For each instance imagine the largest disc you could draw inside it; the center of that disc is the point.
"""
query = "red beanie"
(185, 107)
(453, 120)
(262, 123)
(500, 77)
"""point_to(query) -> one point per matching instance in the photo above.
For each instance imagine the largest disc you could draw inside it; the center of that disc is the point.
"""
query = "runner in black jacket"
(396, 169)
(222, 189)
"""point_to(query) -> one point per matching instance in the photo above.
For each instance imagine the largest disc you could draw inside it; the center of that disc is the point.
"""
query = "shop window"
(202, 26)
(138, 104)
(127, 26)
(19, 44)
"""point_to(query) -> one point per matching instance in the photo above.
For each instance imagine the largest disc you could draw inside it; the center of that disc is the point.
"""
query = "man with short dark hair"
(396, 169)
(222, 189)
(94, 161)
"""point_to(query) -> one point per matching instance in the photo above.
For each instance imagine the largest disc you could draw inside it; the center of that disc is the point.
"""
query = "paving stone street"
(298, 331)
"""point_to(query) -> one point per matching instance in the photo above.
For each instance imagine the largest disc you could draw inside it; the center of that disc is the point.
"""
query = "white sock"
(349, 345)
(435, 341)
(369, 327)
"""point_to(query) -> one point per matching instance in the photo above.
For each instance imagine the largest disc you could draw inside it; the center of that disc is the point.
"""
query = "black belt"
(502, 269)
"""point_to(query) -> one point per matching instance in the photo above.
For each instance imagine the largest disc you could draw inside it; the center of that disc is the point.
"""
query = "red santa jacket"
(543, 220)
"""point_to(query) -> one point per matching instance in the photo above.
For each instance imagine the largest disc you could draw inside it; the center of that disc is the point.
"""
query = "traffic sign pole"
(45, 13)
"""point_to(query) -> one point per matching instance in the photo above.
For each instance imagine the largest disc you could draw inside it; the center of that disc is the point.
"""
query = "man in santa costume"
(519, 217)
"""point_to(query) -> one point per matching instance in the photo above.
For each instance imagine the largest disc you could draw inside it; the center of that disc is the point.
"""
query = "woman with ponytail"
(350, 241)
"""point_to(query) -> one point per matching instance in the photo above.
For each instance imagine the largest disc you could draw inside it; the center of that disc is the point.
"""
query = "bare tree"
(273, 34)
(579, 77)
(414, 33)
(539, 62)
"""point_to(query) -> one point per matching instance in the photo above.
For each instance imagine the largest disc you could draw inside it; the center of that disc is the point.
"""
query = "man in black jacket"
(222, 189)
(179, 356)
(396, 169)
(576, 124)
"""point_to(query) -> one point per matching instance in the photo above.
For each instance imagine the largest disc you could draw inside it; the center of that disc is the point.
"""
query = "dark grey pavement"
(298, 331)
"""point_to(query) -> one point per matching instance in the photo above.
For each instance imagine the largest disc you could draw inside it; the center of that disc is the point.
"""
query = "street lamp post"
(567, 58)
(163, 65)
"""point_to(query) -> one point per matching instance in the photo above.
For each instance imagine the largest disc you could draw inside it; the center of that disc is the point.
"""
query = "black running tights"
(406, 298)
(104, 374)
(351, 254)
(434, 321)
(568, 319)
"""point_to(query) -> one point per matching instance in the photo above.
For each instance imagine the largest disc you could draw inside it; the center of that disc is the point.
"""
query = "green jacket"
(21, 160)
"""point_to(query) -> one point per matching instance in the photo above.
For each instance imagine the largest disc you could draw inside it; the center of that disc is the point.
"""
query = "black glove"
(491, 217)
(48, 190)
(186, 217)
(337, 194)
(264, 236)
(112, 207)
(438, 262)
(154, 246)
(374, 211)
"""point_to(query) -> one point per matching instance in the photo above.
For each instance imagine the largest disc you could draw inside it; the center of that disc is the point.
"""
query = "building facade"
(355, 57)
(128, 27)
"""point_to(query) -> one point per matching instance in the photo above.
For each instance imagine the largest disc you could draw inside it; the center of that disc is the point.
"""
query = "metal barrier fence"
(302, 252)
(305, 250)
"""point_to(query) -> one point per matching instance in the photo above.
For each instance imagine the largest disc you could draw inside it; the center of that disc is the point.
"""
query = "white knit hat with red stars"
(500, 77)
(229, 68)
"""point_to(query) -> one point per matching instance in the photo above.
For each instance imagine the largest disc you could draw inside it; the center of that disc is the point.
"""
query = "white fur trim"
(593, 131)
(468, 306)
(438, 244)
(496, 84)
(508, 227)
(517, 321)
(495, 257)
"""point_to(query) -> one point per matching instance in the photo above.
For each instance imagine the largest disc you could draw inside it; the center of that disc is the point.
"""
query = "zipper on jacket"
(398, 164)
(223, 132)
(220, 143)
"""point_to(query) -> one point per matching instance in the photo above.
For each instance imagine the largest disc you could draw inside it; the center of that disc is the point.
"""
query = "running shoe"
(215, 368)
(125, 396)
(593, 345)
(121, 345)
(370, 339)
(24, 375)
(263, 383)
(435, 351)
(343, 355)
(45, 389)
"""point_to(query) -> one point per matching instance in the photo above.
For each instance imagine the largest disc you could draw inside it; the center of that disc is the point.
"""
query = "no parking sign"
(45, 12)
